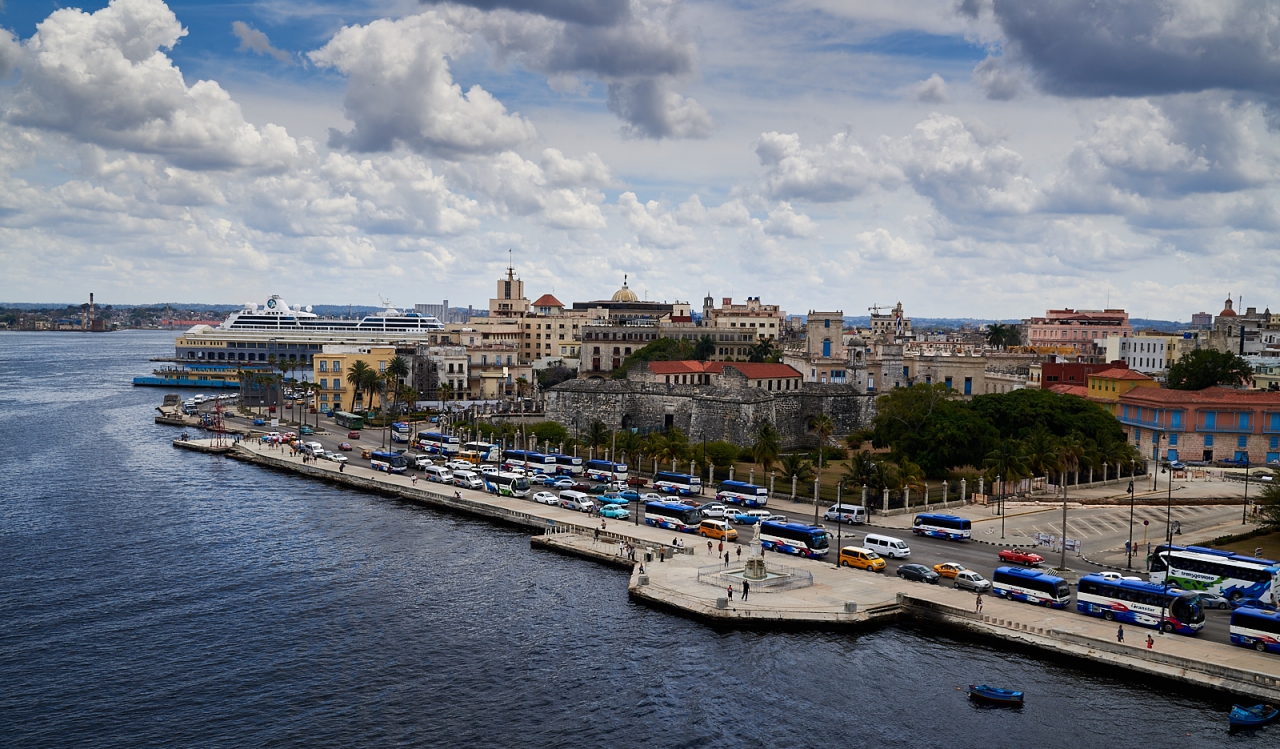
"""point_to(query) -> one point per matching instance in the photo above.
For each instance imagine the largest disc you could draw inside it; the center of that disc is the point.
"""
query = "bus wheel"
(1260, 646)
(1109, 616)
(1167, 628)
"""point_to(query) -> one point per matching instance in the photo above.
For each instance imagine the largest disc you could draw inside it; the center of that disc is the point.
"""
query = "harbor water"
(156, 597)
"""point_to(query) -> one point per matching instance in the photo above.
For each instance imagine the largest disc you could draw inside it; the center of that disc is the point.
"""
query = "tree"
(996, 334)
(1019, 412)
(927, 424)
(762, 351)
(552, 376)
(705, 348)
(768, 444)
(1008, 461)
(1040, 451)
(908, 475)
(719, 453)
(795, 464)
(598, 434)
(357, 375)
(1269, 503)
(549, 432)
(1204, 368)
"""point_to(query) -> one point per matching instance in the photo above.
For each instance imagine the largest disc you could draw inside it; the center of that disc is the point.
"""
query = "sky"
(969, 158)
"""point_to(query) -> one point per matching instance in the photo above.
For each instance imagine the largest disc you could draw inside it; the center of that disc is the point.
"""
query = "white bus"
(1234, 576)
(507, 484)
(677, 483)
(603, 470)
(568, 464)
(1031, 586)
(943, 526)
(1256, 628)
(527, 460)
(437, 443)
(485, 452)
(1136, 602)
(742, 493)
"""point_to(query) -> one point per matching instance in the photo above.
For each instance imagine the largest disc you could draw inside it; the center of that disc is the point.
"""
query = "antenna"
(385, 302)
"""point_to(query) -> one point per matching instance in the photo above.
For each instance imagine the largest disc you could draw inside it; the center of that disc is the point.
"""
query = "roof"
(1064, 389)
(546, 300)
(1120, 373)
(751, 370)
(1209, 396)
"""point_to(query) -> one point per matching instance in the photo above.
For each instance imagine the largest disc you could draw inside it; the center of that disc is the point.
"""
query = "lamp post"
(1168, 541)
(1000, 503)
(839, 525)
(1244, 516)
(1129, 562)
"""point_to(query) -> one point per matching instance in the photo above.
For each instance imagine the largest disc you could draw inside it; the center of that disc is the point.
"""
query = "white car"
(336, 457)
(713, 510)
(421, 462)
(487, 468)
(546, 498)
(652, 497)
(459, 465)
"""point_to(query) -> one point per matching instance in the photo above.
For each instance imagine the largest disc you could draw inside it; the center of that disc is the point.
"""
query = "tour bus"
(1032, 586)
(604, 470)
(388, 461)
(795, 538)
(672, 516)
(943, 526)
(527, 460)
(1136, 602)
(400, 431)
(438, 444)
(569, 465)
(1234, 576)
(742, 493)
(677, 483)
(485, 452)
(507, 484)
(846, 514)
(1256, 628)
(348, 420)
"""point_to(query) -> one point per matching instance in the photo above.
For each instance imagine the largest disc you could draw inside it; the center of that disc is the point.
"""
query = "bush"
(829, 454)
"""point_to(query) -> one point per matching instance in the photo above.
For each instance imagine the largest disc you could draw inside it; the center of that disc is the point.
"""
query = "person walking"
(414, 480)
(726, 559)
(730, 591)
(1120, 633)
(1150, 642)
(746, 589)
(342, 467)
(721, 546)
(739, 552)
(597, 537)
(977, 606)
(708, 547)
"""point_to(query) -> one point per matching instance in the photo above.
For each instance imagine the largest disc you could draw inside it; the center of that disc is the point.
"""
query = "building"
(1207, 425)
(509, 301)
(1047, 374)
(548, 306)
(441, 373)
(966, 374)
(769, 377)
(1202, 321)
(330, 368)
(823, 356)
(1106, 386)
(755, 319)
(1076, 330)
(1148, 352)
(1003, 382)
(1247, 333)
(892, 327)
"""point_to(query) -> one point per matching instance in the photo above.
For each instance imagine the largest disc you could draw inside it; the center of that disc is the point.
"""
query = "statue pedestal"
(754, 569)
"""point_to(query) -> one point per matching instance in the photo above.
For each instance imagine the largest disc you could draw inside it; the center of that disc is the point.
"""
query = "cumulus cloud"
(998, 79)
(651, 224)
(783, 221)
(932, 90)
(840, 170)
(255, 41)
(517, 186)
(561, 171)
(402, 91)
(101, 78)
(586, 12)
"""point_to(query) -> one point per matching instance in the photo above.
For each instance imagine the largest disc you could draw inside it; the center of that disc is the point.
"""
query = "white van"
(887, 546)
(421, 462)
(467, 480)
(572, 500)
(438, 473)
(846, 514)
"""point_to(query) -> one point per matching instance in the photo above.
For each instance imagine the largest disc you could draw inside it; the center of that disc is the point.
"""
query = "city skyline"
(970, 159)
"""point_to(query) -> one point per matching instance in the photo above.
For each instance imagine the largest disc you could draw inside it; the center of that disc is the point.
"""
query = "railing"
(788, 578)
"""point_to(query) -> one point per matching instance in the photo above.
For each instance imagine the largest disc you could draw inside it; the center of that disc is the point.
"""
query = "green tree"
(1204, 368)
(1040, 451)
(767, 446)
(550, 432)
(928, 425)
(997, 334)
(357, 376)
(1008, 461)
(1269, 504)
(663, 349)
(907, 475)
(721, 454)
(762, 351)
(705, 348)
(796, 464)
(674, 446)
(598, 434)
(1019, 412)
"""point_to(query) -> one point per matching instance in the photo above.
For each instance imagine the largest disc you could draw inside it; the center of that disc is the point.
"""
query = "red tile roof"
(751, 370)
(1213, 395)
(676, 367)
(546, 300)
(1120, 373)
(1064, 389)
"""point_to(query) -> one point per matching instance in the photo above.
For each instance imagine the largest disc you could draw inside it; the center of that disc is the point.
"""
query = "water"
(155, 597)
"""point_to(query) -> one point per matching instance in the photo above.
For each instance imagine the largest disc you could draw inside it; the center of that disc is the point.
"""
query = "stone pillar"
(945, 494)
(906, 497)
(693, 468)
(655, 466)
(771, 477)
(711, 474)
(815, 492)
(793, 487)
(673, 464)
(963, 486)
(981, 489)
(1104, 472)
(731, 467)
(864, 498)
(751, 477)
(886, 499)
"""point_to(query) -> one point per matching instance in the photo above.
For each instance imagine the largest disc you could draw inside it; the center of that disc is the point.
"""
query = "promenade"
(835, 598)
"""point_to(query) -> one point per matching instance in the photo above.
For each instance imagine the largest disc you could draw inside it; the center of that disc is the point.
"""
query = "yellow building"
(330, 368)
(1107, 386)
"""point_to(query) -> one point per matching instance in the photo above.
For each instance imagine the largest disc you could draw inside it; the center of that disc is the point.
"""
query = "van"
(438, 473)
(717, 529)
(861, 558)
(467, 480)
(574, 500)
(846, 514)
(887, 546)
(421, 462)
(316, 447)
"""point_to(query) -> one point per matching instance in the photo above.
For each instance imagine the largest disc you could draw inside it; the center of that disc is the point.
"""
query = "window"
(1244, 421)
(826, 323)
(1173, 440)
(322, 366)
(968, 386)
(1176, 419)
(324, 384)
(1208, 440)
(1275, 443)
(336, 366)
(1137, 436)
(1242, 442)
(826, 347)
(1210, 420)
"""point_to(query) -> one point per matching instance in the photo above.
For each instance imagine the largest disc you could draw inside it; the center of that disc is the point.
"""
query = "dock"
(687, 581)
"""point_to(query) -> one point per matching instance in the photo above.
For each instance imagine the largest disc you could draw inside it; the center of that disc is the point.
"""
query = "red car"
(345, 447)
(353, 435)
(1018, 556)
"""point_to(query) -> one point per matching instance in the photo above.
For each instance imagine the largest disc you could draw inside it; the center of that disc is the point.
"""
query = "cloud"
(253, 40)
(560, 171)
(997, 79)
(932, 90)
(652, 226)
(517, 186)
(401, 91)
(101, 78)
(840, 170)
(586, 12)
(783, 221)
(651, 111)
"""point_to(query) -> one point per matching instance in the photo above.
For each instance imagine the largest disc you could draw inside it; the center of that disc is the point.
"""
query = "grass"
(1270, 545)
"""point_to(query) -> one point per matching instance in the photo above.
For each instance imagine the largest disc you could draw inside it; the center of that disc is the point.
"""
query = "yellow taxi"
(863, 559)
(948, 569)
(717, 529)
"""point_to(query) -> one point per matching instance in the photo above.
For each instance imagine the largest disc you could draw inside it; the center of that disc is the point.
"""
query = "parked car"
(487, 468)
(970, 580)
(1252, 603)
(949, 569)
(336, 457)
(617, 512)
(862, 558)
(1018, 556)
(712, 510)
(613, 499)
(563, 483)
(353, 435)
(1214, 601)
(459, 465)
(717, 529)
(917, 572)
(546, 498)
(345, 447)
(751, 517)
(306, 430)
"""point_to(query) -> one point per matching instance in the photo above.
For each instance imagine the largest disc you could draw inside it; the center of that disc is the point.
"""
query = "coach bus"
(742, 493)
(436, 443)
(480, 452)
(672, 516)
(795, 538)
(527, 460)
(507, 484)
(1136, 602)
(570, 465)
(348, 420)
(400, 431)
(388, 461)
(1234, 576)
(1032, 586)
(604, 470)
(677, 483)
(943, 526)
(1256, 628)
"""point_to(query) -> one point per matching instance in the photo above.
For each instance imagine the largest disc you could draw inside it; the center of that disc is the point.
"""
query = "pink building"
(1077, 329)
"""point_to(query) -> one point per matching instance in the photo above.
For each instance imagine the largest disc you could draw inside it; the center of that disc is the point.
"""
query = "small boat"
(995, 696)
(1248, 717)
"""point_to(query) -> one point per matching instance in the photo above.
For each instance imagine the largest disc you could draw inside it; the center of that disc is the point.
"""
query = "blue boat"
(994, 696)
(1250, 717)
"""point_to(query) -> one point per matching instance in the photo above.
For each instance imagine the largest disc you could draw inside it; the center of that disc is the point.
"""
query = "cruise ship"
(277, 329)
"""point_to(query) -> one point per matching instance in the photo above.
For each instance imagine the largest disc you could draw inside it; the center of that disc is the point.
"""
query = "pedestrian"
(597, 537)
(726, 559)
(708, 548)
(1120, 633)
(1126, 547)
(739, 552)
(730, 591)
(977, 606)
(342, 467)
(415, 479)
(746, 589)
(662, 553)
(721, 544)
(1150, 642)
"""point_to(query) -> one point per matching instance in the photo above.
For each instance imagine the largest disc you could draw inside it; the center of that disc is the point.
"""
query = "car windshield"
(872, 555)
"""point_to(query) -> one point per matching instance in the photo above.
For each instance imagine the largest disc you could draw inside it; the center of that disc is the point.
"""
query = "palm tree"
(997, 334)
(908, 475)
(1040, 451)
(705, 348)
(823, 427)
(768, 444)
(674, 446)
(1070, 449)
(598, 434)
(357, 375)
(1007, 461)
(795, 464)
(762, 351)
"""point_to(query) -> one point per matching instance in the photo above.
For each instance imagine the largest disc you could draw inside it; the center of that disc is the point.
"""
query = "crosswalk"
(1112, 522)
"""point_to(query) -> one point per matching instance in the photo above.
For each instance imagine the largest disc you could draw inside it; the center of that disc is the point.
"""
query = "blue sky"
(977, 158)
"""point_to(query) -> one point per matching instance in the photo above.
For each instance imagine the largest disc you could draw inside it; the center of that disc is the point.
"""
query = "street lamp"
(1129, 562)
(1244, 515)
(1168, 532)
(1000, 504)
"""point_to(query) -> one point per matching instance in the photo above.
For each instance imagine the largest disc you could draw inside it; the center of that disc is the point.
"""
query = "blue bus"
(569, 465)
(1141, 603)
(528, 461)
(400, 431)
(1032, 586)
(742, 493)
(795, 538)
(388, 461)
(1256, 628)
(677, 483)
(943, 526)
(1235, 576)
(672, 516)
(436, 443)
(603, 470)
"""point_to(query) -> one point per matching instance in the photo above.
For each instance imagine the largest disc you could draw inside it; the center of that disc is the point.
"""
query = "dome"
(1227, 311)
(625, 294)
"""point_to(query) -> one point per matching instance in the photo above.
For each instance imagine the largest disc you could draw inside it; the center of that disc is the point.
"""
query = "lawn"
(1270, 545)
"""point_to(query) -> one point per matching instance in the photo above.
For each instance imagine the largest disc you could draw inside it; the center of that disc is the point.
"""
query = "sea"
(152, 597)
